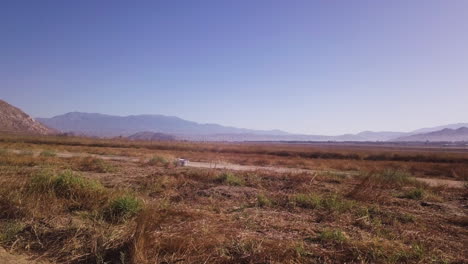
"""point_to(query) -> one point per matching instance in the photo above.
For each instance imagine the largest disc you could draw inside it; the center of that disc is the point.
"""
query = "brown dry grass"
(192, 215)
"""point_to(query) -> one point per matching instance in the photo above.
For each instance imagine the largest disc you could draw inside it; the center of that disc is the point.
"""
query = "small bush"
(376, 216)
(331, 235)
(9, 230)
(95, 164)
(406, 218)
(394, 177)
(330, 202)
(82, 192)
(47, 153)
(415, 194)
(158, 161)
(42, 182)
(412, 255)
(263, 201)
(372, 186)
(123, 208)
(70, 185)
(231, 179)
(310, 201)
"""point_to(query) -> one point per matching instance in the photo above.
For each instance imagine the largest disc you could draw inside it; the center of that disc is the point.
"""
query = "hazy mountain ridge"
(152, 136)
(101, 125)
(13, 119)
(110, 126)
(437, 128)
(446, 134)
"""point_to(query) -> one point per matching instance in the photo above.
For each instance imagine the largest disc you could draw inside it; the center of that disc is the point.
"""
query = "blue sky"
(316, 67)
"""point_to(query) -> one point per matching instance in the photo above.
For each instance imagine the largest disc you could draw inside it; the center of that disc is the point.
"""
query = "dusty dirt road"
(229, 166)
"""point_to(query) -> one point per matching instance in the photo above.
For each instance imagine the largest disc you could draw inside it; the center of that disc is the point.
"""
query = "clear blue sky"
(317, 67)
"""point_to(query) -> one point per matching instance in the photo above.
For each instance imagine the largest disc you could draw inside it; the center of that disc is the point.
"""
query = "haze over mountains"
(157, 126)
(101, 125)
(446, 134)
(160, 127)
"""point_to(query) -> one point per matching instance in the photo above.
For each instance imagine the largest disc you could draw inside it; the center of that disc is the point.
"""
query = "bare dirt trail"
(77, 154)
(229, 166)
(238, 167)
(430, 181)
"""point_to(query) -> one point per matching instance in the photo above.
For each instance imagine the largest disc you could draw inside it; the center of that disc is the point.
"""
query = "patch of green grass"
(330, 202)
(48, 153)
(158, 160)
(393, 252)
(68, 185)
(377, 217)
(406, 218)
(310, 200)
(123, 208)
(332, 235)
(415, 194)
(394, 177)
(9, 230)
(231, 179)
(263, 201)
(300, 250)
(414, 254)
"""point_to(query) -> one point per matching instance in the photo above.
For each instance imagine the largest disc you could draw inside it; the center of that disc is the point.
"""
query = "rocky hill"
(13, 119)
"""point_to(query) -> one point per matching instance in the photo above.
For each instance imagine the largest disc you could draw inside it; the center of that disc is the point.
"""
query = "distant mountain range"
(160, 127)
(152, 127)
(151, 136)
(446, 134)
(111, 126)
(12, 119)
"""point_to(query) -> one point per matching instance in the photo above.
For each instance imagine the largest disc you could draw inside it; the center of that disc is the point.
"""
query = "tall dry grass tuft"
(93, 164)
(373, 186)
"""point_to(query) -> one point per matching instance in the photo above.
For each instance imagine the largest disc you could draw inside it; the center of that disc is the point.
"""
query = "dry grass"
(89, 210)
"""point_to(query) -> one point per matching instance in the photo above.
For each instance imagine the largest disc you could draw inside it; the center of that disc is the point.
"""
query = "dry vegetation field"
(81, 200)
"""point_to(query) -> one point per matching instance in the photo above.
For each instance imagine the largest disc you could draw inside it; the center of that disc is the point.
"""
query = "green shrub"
(263, 201)
(95, 164)
(231, 179)
(9, 230)
(331, 235)
(329, 202)
(70, 185)
(415, 194)
(123, 208)
(310, 200)
(67, 185)
(42, 182)
(394, 177)
(158, 160)
(406, 218)
(412, 255)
